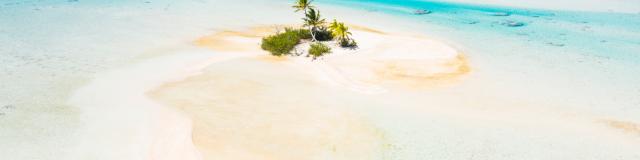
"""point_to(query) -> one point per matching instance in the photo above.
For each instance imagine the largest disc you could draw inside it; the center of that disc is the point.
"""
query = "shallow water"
(51, 48)
(583, 57)
(537, 91)
(570, 68)
(252, 112)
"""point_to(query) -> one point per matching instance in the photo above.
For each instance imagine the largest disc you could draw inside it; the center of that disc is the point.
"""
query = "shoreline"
(193, 87)
(335, 73)
(81, 88)
(384, 58)
(210, 98)
(116, 111)
(107, 97)
(104, 96)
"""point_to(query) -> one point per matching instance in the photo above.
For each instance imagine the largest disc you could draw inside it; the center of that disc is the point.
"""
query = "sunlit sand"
(446, 80)
(273, 105)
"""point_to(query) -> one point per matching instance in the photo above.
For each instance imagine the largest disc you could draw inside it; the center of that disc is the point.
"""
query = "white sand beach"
(235, 116)
(273, 105)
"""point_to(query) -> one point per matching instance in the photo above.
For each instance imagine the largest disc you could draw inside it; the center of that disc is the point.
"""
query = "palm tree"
(303, 5)
(340, 31)
(313, 21)
(333, 25)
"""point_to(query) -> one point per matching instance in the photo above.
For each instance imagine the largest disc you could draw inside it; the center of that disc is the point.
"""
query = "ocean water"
(564, 71)
(591, 58)
(50, 48)
(580, 31)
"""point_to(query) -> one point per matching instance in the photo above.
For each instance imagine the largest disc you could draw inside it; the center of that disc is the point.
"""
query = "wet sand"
(371, 103)
(258, 106)
(252, 112)
(114, 80)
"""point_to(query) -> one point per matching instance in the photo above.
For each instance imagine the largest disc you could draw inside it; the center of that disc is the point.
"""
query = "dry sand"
(382, 59)
(241, 103)
(258, 106)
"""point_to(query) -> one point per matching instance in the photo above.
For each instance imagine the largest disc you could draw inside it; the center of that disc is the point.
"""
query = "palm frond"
(302, 5)
(340, 31)
(313, 19)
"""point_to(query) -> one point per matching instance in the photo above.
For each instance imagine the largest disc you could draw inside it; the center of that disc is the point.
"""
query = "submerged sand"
(258, 106)
(371, 103)
(242, 109)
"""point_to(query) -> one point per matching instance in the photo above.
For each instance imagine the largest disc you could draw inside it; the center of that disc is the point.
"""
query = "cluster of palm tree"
(315, 23)
(341, 32)
(313, 20)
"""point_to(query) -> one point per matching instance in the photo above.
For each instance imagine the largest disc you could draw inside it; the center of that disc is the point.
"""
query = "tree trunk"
(313, 35)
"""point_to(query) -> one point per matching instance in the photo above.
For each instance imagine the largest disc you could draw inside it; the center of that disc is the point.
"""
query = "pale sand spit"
(258, 106)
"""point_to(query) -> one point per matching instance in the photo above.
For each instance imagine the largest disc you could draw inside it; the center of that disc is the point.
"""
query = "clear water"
(50, 48)
(585, 59)
(558, 62)
(579, 67)
(610, 35)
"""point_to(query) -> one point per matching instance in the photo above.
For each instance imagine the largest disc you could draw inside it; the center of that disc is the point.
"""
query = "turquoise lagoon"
(565, 71)
(587, 58)
(563, 65)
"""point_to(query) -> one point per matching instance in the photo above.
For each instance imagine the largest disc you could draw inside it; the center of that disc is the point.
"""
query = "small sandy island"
(382, 59)
(257, 106)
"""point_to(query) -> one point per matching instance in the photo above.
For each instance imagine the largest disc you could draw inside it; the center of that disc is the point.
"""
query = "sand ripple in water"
(628, 127)
(265, 107)
(252, 112)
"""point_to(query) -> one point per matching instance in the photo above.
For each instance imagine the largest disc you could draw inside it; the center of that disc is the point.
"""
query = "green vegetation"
(342, 34)
(313, 20)
(302, 33)
(318, 49)
(303, 5)
(282, 43)
(323, 34)
(348, 44)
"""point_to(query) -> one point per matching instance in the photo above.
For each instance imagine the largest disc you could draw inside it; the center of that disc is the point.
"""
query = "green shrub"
(348, 43)
(302, 33)
(323, 34)
(282, 43)
(318, 49)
